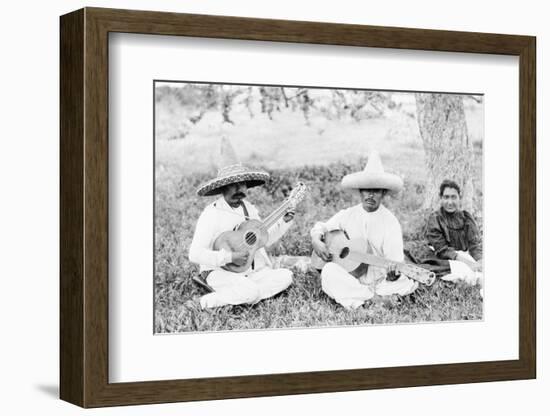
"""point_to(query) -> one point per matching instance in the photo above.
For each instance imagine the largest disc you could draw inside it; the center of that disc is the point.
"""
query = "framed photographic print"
(255, 207)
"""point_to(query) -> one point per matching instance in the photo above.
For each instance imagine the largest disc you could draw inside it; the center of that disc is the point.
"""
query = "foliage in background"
(198, 99)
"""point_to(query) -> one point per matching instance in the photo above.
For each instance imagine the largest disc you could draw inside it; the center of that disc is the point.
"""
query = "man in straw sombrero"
(230, 209)
(371, 221)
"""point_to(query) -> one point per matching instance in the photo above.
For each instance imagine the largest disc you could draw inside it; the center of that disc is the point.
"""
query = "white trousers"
(249, 287)
(350, 293)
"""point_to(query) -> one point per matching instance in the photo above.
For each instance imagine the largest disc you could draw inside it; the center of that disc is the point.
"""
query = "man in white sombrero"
(230, 209)
(372, 221)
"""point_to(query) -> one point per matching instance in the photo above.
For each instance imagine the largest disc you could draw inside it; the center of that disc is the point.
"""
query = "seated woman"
(452, 232)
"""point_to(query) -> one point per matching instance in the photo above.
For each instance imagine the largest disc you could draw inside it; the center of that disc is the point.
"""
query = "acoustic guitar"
(352, 255)
(251, 235)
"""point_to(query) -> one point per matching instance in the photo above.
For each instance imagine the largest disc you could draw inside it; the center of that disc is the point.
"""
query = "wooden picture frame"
(84, 207)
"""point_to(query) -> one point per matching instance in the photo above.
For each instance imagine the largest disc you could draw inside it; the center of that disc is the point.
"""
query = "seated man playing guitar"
(379, 230)
(237, 266)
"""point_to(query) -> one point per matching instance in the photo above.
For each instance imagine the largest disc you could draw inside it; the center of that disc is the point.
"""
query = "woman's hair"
(447, 183)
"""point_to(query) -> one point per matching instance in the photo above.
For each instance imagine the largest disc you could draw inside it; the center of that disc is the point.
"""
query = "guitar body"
(250, 236)
(339, 246)
(352, 255)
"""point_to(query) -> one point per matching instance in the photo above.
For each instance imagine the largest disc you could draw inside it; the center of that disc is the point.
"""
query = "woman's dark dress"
(449, 233)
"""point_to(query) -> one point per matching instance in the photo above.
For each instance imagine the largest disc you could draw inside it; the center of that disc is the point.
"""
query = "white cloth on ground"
(462, 272)
(383, 234)
(239, 288)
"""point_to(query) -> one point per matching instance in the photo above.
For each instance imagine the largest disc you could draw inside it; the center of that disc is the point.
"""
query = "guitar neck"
(276, 215)
(295, 197)
(382, 262)
(372, 259)
(410, 270)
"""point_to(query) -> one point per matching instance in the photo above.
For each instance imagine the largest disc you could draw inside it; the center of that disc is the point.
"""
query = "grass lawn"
(304, 304)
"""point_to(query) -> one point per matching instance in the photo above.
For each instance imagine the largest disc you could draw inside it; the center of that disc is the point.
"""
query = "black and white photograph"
(284, 206)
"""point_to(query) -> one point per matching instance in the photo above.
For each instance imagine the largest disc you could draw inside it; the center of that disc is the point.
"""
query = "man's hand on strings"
(392, 273)
(321, 248)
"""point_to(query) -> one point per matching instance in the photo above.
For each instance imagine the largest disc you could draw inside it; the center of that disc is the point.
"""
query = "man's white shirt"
(380, 229)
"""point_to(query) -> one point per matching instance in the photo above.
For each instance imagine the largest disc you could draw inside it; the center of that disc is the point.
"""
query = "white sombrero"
(231, 171)
(373, 177)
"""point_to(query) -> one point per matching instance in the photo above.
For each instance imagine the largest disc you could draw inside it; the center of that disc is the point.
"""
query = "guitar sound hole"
(250, 238)
(344, 253)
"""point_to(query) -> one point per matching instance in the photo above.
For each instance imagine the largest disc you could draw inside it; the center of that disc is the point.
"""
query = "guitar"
(251, 235)
(351, 255)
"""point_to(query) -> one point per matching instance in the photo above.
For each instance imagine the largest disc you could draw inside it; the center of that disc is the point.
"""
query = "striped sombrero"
(231, 171)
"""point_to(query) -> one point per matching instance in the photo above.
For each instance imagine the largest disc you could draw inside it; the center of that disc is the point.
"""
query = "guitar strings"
(270, 220)
(265, 224)
(266, 221)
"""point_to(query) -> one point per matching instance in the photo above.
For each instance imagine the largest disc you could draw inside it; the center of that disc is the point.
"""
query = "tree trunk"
(448, 149)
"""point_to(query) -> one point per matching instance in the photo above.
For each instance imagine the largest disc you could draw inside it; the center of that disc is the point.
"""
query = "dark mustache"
(239, 195)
